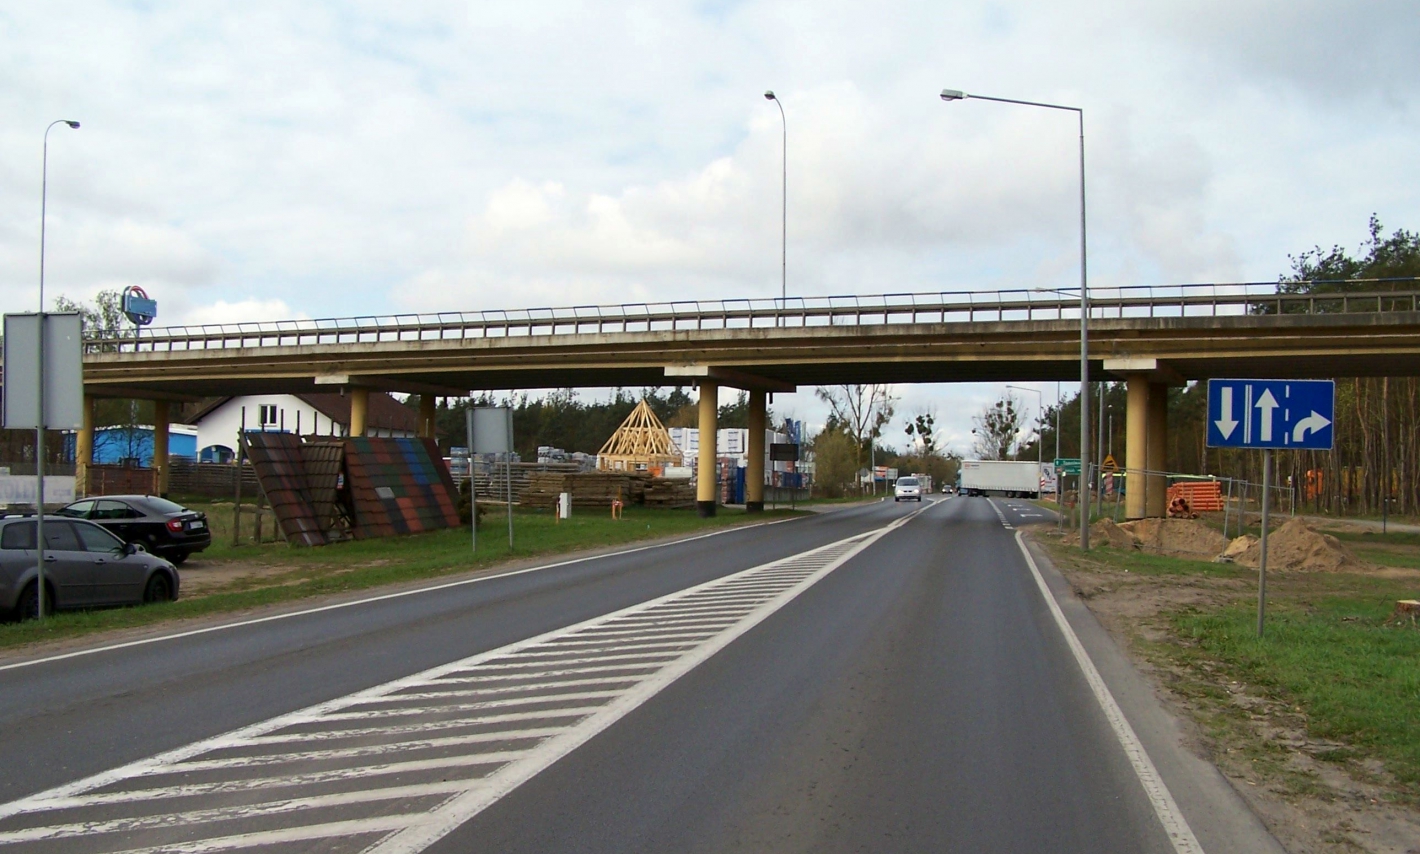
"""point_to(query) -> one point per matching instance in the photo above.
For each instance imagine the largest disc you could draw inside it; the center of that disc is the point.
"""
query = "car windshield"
(163, 506)
(907, 481)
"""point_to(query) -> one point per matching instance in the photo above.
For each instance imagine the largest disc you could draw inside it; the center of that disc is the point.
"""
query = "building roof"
(385, 413)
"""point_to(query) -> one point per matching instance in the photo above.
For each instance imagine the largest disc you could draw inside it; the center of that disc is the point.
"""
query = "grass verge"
(288, 574)
(1332, 681)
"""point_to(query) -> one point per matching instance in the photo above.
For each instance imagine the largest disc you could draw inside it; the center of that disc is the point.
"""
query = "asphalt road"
(901, 688)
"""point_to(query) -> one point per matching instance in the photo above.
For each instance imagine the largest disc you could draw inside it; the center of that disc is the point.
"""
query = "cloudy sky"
(268, 160)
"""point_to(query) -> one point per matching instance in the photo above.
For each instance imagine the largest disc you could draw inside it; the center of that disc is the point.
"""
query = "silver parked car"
(84, 567)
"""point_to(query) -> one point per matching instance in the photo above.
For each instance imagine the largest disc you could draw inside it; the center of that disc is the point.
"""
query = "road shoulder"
(1220, 818)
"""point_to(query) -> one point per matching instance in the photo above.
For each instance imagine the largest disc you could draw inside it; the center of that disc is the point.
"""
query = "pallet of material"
(588, 489)
(670, 493)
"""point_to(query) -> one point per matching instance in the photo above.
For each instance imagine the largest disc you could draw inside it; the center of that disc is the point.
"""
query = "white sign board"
(20, 489)
(491, 429)
(63, 372)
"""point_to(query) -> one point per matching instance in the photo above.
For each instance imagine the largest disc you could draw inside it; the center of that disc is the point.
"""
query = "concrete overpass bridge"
(1150, 337)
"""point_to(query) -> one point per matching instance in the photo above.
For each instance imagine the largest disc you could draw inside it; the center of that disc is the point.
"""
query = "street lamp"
(784, 210)
(1039, 413)
(39, 429)
(958, 95)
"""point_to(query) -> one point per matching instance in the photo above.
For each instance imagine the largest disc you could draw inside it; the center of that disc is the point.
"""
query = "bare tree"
(861, 411)
(997, 428)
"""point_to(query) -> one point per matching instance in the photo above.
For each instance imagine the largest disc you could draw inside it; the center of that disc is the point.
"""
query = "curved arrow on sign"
(1315, 423)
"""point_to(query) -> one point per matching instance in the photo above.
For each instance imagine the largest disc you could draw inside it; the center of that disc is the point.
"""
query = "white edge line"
(1165, 808)
(460, 809)
(311, 713)
(366, 601)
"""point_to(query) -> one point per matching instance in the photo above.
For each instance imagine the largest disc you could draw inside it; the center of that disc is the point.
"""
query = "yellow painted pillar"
(427, 415)
(84, 449)
(359, 408)
(1156, 504)
(1136, 442)
(707, 482)
(754, 471)
(160, 445)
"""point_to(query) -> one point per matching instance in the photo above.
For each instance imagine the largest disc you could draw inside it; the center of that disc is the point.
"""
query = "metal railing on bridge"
(1142, 301)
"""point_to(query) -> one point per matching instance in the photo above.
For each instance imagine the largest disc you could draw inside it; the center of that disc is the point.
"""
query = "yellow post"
(427, 415)
(359, 407)
(754, 472)
(160, 445)
(1136, 441)
(707, 483)
(1157, 503)
(84, 449)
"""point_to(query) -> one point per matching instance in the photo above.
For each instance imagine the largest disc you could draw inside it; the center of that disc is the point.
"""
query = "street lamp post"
(1039, 413)
(958, 95)
(784, 207)
(39, 429)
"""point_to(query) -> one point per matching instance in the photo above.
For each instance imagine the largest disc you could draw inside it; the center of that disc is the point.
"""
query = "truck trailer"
(1000, 477)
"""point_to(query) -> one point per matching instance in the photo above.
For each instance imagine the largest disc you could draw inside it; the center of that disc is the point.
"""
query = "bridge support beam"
(754, 471)
(707, 483)
(427, 416)
(160, 446)
(359, 409)
(84, 449)
(1145, 443)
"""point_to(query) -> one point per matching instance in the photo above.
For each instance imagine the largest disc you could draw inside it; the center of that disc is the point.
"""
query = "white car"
(907, 489)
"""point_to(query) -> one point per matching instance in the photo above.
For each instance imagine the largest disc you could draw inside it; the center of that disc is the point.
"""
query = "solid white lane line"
(381, 598)
(1169, 815)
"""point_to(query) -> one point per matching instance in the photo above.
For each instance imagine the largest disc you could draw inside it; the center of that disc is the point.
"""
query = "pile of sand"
(1106, 533)
(1186, 537)
(1296, 547)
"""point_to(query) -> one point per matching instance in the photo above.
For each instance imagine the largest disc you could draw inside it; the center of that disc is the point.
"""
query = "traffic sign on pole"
(1295, 414)
(1067, 465)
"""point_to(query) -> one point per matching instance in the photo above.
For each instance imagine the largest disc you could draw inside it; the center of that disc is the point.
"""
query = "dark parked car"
(84, 567)
(162, 527)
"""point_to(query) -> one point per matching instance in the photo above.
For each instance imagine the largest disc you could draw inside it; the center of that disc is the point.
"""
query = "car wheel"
(28, 607)
(177, 558)
(159, 589)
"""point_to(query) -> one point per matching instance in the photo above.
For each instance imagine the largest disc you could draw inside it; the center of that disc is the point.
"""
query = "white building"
(729, 442)
(219, 423)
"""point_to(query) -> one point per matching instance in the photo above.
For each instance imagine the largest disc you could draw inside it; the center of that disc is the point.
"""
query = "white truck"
(1000, 477)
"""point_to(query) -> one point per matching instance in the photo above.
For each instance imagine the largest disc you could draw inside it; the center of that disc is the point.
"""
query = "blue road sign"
(1271, 414)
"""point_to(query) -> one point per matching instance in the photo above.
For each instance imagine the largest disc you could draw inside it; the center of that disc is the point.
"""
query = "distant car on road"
(163, 527)
(84, 567)
(907, 489)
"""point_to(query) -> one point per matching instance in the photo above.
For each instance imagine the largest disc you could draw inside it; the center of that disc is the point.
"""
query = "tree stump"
(1407, 610)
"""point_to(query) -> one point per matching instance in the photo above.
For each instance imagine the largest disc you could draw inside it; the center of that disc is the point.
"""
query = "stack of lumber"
(670, 492)
(589, 489)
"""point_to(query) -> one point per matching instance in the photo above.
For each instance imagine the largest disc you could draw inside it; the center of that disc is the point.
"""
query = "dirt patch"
(1296, 547)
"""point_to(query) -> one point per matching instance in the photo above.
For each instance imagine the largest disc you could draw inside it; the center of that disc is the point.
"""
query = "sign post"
(1267, 415)
(490, 431)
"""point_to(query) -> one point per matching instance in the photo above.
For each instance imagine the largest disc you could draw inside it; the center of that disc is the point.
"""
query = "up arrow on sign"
(1267, 403)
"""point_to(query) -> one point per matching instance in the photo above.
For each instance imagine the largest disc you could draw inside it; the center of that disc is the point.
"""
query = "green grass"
(1147, 563)
(364, 564)
(1356, 679)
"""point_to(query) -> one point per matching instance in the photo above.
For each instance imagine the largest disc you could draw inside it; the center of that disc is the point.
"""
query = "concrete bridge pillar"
(1156, 497)
(707, 483)
(160, 446)
(754, 471)
(1145, 443)
(84, 449)
(359, 409)
(427, 416)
